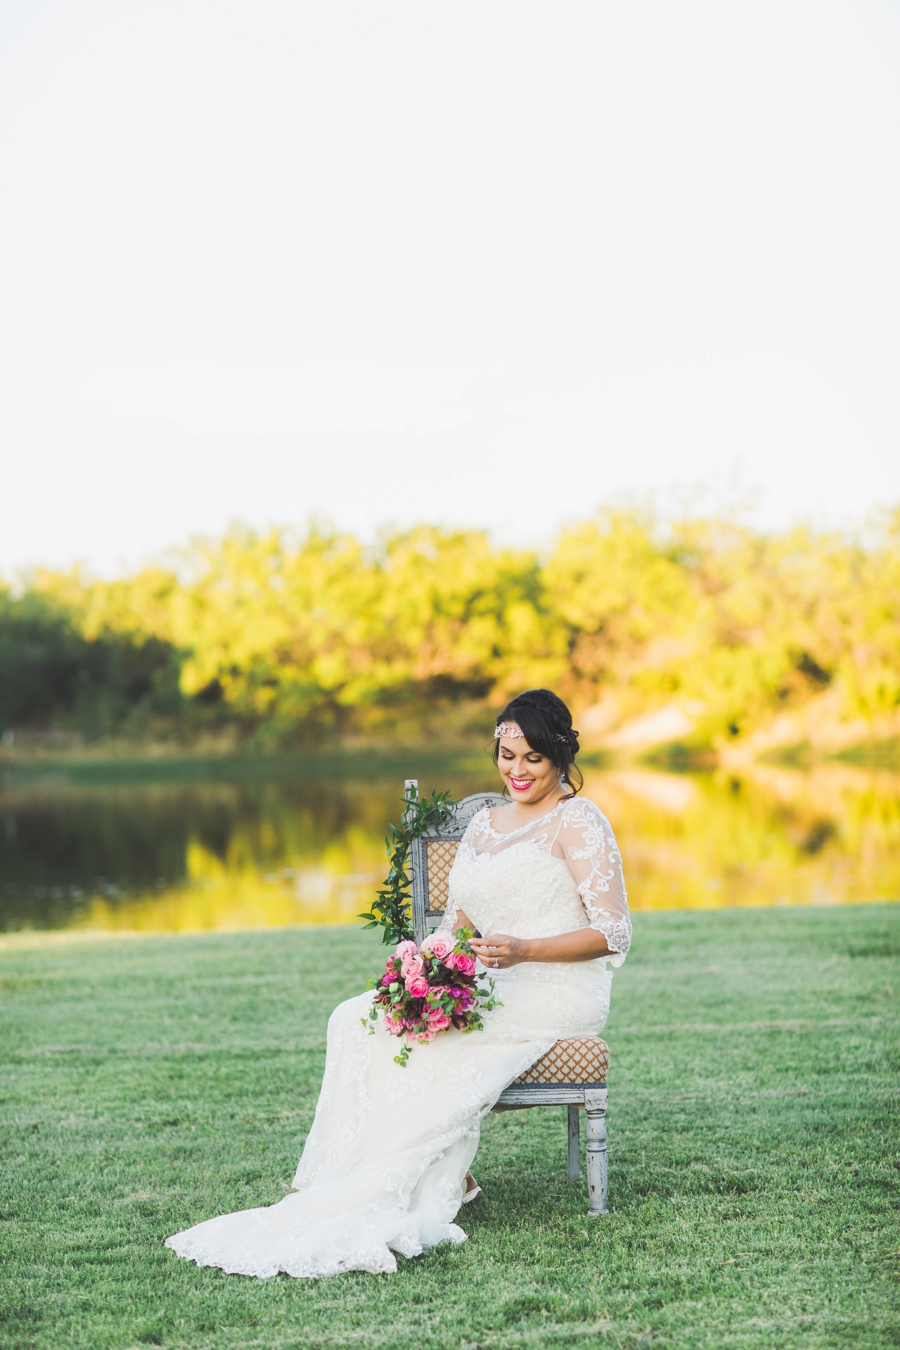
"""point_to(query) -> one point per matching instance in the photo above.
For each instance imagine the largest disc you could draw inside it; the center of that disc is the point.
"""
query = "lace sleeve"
(589, 847)
(448, 924)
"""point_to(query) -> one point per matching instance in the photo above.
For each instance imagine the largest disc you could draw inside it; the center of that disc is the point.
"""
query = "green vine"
(392, 909)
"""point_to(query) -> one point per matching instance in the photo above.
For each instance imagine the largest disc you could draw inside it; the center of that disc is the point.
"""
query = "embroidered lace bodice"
(560, 872)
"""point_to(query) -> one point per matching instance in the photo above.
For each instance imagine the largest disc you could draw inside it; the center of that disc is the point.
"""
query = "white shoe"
(472, 1193)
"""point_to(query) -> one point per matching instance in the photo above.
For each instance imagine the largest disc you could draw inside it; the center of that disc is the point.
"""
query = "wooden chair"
(573, 1073)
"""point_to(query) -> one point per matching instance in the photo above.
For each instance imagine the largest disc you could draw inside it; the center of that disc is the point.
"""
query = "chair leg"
(573, 1171)
(595, 1109)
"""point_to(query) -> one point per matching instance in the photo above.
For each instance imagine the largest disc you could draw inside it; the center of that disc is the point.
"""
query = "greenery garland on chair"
(392, 910)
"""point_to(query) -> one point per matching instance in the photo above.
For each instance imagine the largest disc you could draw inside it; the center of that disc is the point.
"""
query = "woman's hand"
(497, 951)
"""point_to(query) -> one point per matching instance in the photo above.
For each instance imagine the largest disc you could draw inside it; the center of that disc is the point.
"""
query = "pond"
(274, 846)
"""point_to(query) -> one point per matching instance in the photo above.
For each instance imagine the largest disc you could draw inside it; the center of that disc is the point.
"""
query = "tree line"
(278, 638)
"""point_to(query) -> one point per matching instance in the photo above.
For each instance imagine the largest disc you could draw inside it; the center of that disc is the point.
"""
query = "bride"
(385, 1165)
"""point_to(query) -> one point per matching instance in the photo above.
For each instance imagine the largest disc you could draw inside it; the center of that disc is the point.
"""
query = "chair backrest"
(432, 857)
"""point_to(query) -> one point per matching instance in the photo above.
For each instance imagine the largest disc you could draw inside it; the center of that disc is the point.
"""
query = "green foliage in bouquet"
(392, 910)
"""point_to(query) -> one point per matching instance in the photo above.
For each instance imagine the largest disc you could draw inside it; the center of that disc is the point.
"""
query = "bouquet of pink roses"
(426, 991)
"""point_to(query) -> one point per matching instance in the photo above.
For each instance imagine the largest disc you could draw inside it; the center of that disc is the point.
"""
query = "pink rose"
(404, 949)
(392, 1024)
(441, 947)
(438, 1020)
(412, 965)
(465, 964)
(417, 986)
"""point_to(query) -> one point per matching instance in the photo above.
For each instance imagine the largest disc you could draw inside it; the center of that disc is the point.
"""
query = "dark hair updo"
(546, 724)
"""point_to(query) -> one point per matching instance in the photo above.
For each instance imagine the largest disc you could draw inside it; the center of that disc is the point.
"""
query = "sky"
(486, 264)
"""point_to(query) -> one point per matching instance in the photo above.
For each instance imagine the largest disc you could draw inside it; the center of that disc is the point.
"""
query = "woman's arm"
(587, 845)
(497, 951)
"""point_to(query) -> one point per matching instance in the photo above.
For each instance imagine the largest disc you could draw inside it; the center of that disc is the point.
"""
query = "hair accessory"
(512, 732)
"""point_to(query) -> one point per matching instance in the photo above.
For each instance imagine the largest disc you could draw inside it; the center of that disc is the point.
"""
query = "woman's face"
(528, 775)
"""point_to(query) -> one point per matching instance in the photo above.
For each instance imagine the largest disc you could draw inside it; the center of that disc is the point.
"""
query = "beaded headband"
(512, 732)
(508, 729)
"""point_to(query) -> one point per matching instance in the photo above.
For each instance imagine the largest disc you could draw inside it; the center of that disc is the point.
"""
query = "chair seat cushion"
(577, 1059)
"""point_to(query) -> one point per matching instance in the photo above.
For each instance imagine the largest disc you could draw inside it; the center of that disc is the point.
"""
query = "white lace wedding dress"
(385, 1161)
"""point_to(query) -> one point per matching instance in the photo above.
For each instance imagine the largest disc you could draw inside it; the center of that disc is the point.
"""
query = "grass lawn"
(150, 1082)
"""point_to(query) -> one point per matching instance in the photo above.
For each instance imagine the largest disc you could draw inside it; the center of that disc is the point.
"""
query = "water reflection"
(771, 837)
(172, 858)
(223, 855)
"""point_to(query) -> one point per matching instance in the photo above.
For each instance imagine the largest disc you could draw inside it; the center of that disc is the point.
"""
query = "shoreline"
(154, 763)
